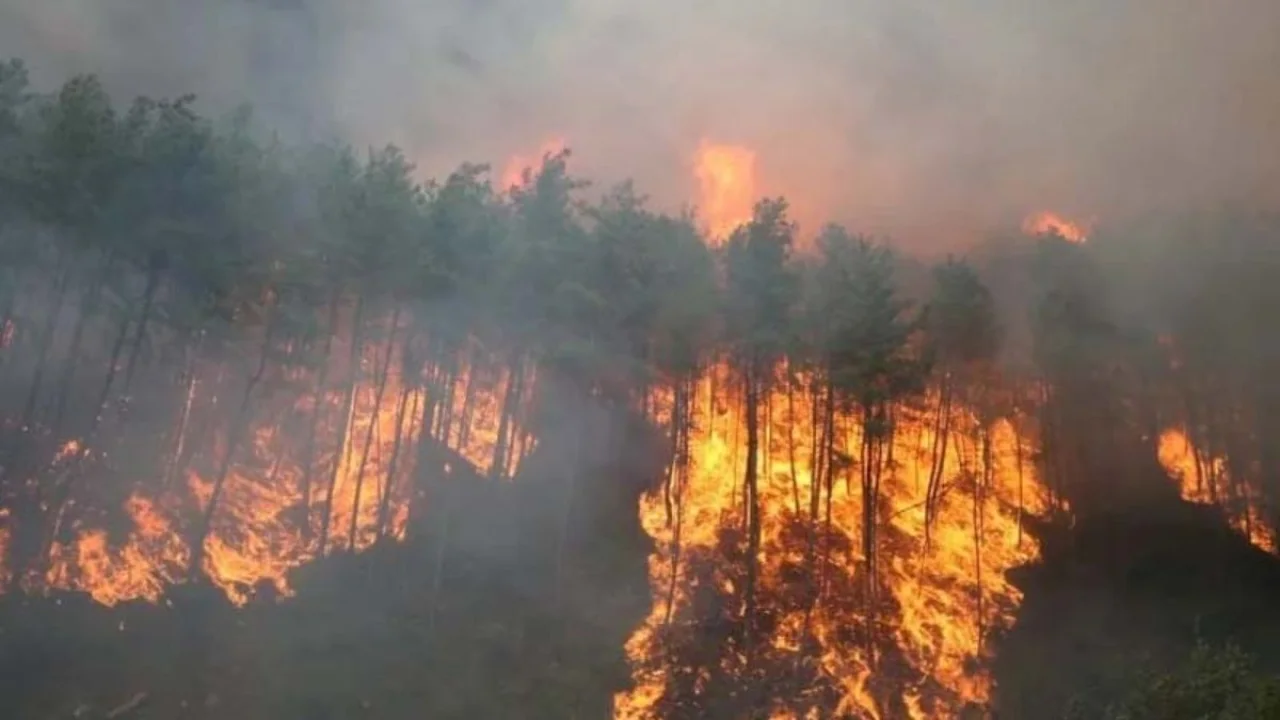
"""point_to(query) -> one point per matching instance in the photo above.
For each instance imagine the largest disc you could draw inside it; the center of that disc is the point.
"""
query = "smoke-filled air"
(604, 360)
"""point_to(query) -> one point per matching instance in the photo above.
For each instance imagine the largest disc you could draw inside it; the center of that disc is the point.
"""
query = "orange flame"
(256, 535)
(1203, 479)
(1049, 223)
(950, 592)
(726, 186)
(513, 171)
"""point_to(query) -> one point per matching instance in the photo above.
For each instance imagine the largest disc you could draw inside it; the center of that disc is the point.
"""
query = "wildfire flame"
(948, 592)
(513, 171)
(1202, 478)
(726, 186)
(256, 535)
(951, 592)
(1049, 223)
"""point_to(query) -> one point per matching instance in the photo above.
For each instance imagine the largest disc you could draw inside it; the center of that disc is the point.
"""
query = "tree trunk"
(357, 321)
(236, 433)
(979, 521)
(154, 267)
(869, 500)
(791, 442)
(89, 303)
(189, 374)
(45, 342)
(753, 501)
(113, 369)
(566, 515)
(510, 399)
(384, 503)
(1017, 450)
(373, 423)
(468, 400)
(317, 416)
(937, 460)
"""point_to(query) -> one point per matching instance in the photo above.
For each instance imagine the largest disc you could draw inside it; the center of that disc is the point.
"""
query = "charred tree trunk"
(234, 436)
(510, 398)
(89, 302)
(869, 498)
(317, 416)
(937, 460)
(791, 442)
(113, 369)
(469, 398)
(574, 467)
(751, 480)
(384, 503)
(983, 482)
(384, 371)
(44, 343)
(189, 377)
(157, 262)
(353, 381)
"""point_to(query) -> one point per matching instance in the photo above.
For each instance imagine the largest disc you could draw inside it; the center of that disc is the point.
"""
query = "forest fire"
(325, 438)
(258, 534)
(517, 166)
(1043, 223)
(943, 586)
(726, 186)
(1203, 478)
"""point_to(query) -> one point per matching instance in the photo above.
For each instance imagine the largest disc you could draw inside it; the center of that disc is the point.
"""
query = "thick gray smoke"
(930, 121)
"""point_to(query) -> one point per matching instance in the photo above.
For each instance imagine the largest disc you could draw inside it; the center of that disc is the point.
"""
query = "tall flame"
(951, 591)
(726, 186)
(1050, 223)
(257, 535)
(1202, 478)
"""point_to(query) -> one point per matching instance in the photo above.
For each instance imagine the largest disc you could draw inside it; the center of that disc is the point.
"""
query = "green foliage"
(759, 286)
(863, 334)
(1211, 684)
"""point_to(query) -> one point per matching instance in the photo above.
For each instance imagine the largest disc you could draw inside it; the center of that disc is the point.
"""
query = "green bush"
(1212, 684)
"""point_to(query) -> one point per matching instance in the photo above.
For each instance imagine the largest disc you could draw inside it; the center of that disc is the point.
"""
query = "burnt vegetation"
(286, 432)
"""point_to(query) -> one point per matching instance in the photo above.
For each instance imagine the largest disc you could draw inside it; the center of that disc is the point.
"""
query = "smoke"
(933, 122)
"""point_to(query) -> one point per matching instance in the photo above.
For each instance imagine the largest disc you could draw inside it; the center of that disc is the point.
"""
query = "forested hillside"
(289, 430)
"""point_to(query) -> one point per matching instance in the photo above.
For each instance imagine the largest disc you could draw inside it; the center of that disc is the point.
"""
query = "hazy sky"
(929, 120)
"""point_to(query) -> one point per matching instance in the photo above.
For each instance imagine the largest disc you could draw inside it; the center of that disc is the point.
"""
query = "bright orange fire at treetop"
(1045, 223)
(726, 186)
(514, 170)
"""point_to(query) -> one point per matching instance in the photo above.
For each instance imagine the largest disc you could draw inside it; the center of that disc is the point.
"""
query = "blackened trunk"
(384, 371)
(89, 303)
(155, 266)
(753, 501)
(937, 460)
(317, 416)
(234, 436)
(511, 397)
(356, 341)
(45, 342)
(384, 503)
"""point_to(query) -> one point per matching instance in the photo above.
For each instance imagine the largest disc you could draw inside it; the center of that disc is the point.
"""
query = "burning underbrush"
(899, 627)
(832, 638)
(275, 504)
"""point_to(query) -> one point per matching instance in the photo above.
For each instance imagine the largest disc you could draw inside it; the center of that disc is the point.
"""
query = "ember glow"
(515, 169)
(726, 187)
(1048, 223)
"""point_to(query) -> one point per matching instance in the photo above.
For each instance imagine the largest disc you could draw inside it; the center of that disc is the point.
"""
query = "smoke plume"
(932, 122)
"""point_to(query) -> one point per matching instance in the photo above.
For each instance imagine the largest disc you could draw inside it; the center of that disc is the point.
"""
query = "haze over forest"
(931, 122)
